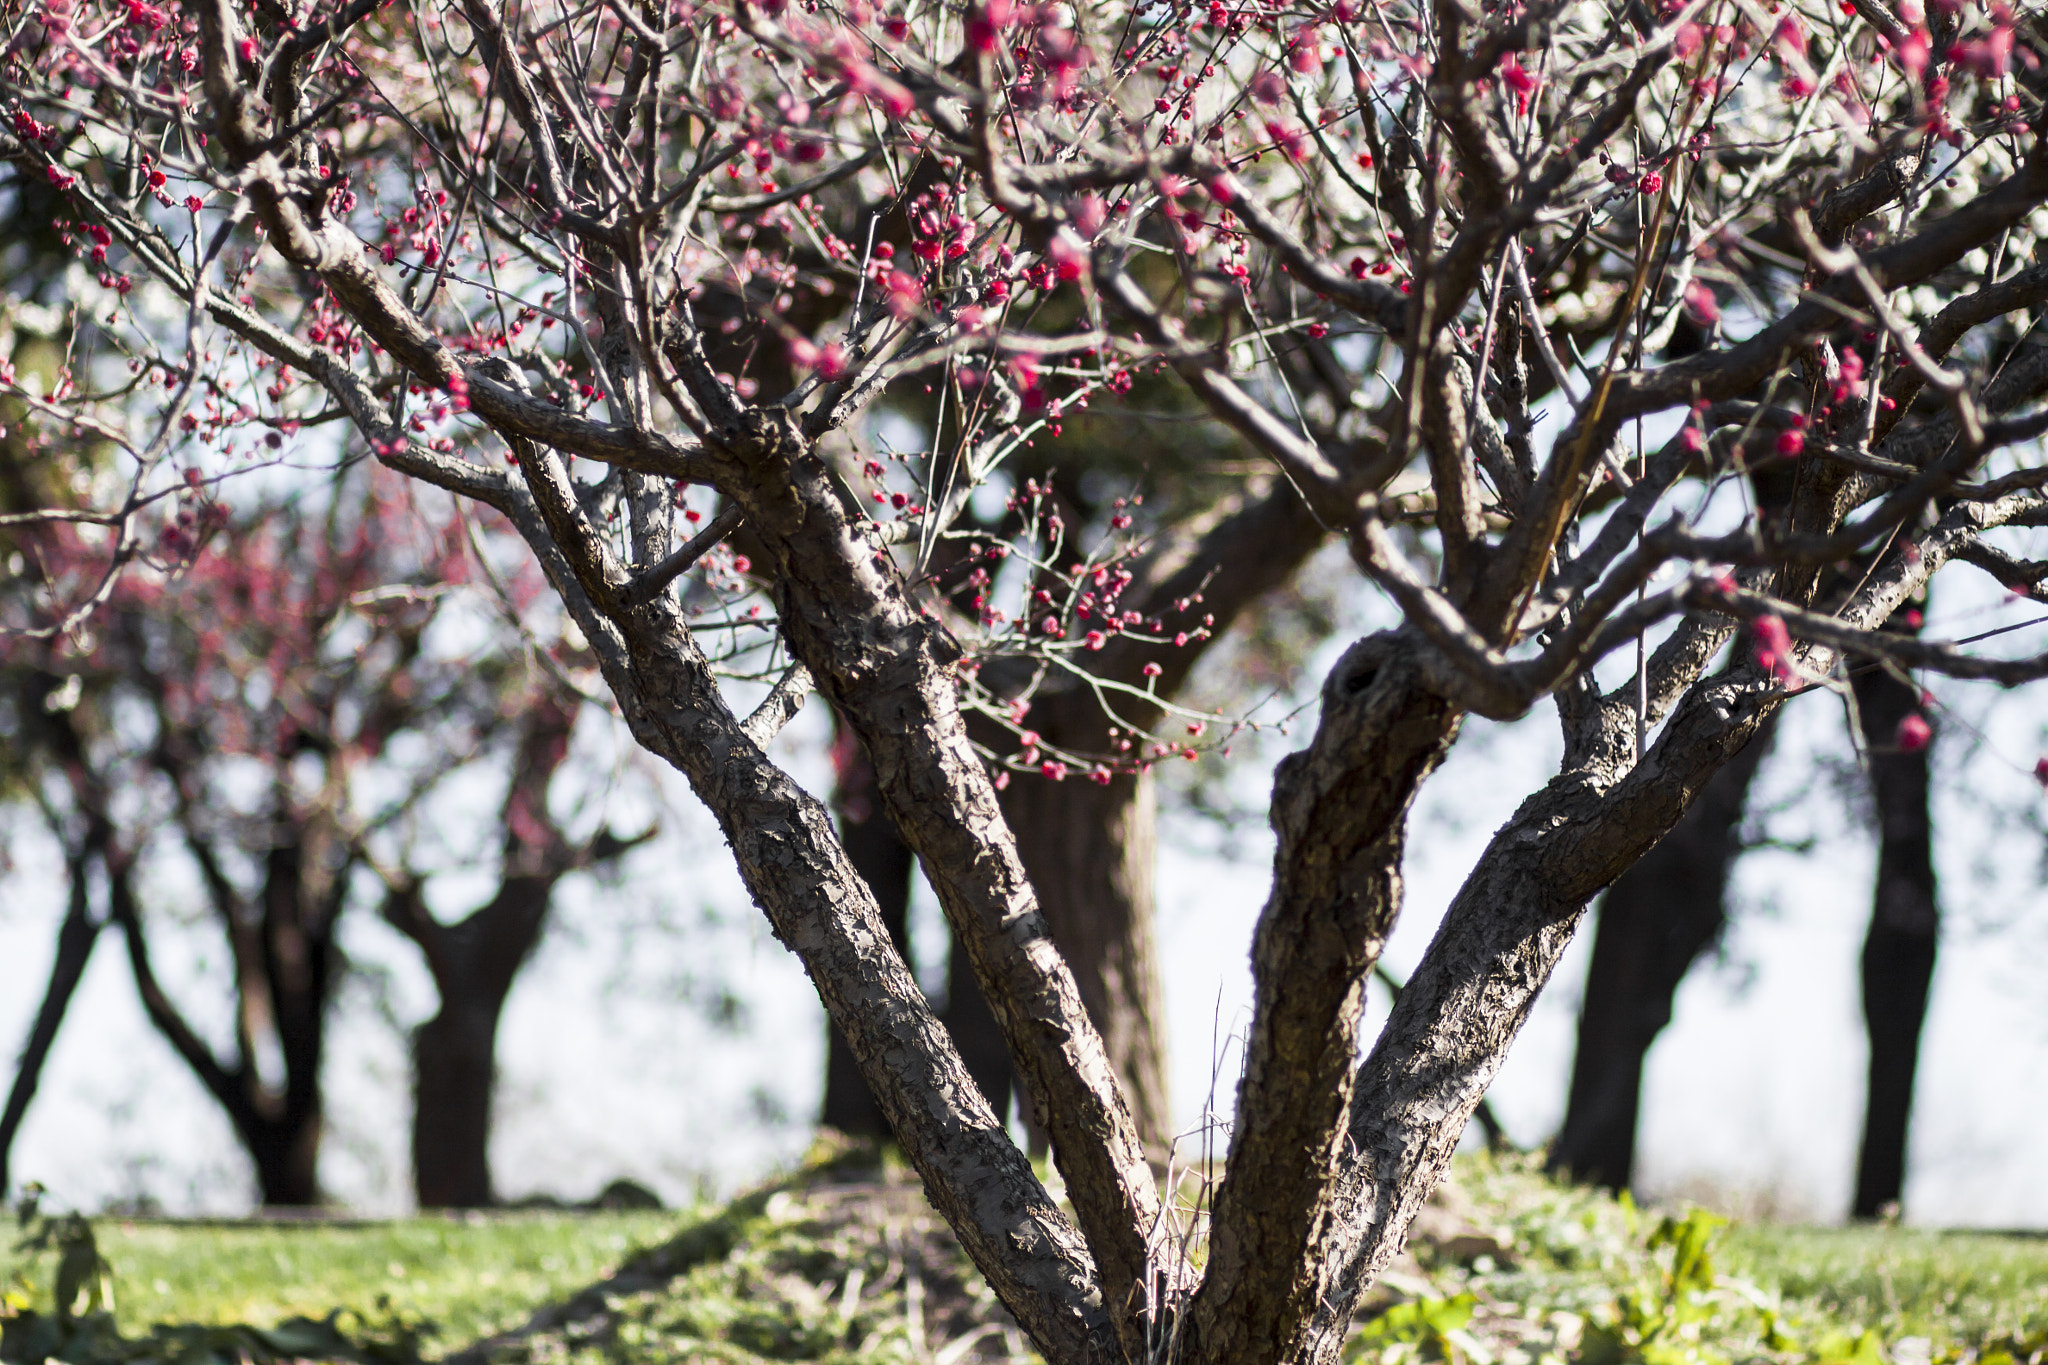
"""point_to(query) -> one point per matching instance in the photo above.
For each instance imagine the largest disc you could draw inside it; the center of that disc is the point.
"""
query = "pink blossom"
(1849, 382)
(1913, 53)
(1700, 303)
(1288, 139)
(1069, 257)
(863, 79)
(985, 27)
(1790, 37)
(1914, 733)
(827, 362)
(1773, 647)
(1790, 443)
(1686, 43)
(1089, 215)
(1988, 57)
(1268, 86)
(905, 294)
(1518, 79)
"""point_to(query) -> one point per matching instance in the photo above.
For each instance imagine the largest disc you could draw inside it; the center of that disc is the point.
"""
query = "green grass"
(469, 1277)
(1514, 1270)
(1950, 1287)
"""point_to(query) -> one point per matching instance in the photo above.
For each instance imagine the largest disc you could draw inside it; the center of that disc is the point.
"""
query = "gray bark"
(1651, 926)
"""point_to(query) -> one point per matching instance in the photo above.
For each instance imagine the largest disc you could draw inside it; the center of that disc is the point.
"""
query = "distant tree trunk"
(979, 1038)
(1905, 922)
(475, 962)
(75, 940)
(284, 960)
(286, 1151)
(454, 1058)
(886, 863)
(1090, 851)
(1653, 923)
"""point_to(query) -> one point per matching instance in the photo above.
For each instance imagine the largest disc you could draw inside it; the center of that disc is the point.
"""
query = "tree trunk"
(454, 1058)
(886, 863)
(1898, 954)
(455, 1063)
(286, 1151)
(1090, 851)
(75, 940)
(1653, 923)
(475, 961)
(979, 1040)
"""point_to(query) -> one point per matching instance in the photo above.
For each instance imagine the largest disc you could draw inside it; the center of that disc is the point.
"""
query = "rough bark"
(1500, 940)
(819, 905)
(1905, 925)
(1511, 921)
(887, 668)
(1090, 849)
(1339, 809)
(1651, 926)
(887, 865)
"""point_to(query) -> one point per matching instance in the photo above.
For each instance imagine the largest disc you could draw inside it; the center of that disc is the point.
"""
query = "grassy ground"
(1904, 1282)
(469, 1277)
(1504, 1269)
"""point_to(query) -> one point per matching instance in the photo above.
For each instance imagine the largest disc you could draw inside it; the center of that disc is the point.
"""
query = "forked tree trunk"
(1652, 925)
(1905, 923)
(475, 962)
(284, 962)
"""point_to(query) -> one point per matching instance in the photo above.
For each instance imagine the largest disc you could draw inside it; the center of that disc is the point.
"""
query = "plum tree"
(1520, 300)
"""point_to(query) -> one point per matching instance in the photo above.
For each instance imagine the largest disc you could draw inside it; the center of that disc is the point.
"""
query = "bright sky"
(612, 1064)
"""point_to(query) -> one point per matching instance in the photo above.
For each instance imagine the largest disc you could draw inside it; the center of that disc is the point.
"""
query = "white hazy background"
(661, 1033)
